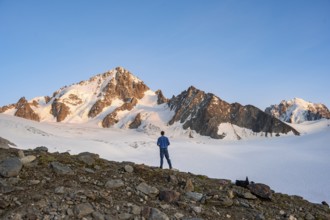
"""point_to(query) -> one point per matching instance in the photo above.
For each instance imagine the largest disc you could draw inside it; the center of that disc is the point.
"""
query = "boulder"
(61, 168)
(88, 158)
(153, 214)
(10, 167)
(261, 190)
(115, 183)
(129, 169)
(169, 196)
(195, 196)
(41, 148)
(148, 190)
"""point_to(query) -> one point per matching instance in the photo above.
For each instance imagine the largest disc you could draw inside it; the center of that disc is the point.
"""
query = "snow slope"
(296, 165)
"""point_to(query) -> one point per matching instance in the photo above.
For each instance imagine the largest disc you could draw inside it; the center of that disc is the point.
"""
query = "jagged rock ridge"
(204, 113)
(298, 110)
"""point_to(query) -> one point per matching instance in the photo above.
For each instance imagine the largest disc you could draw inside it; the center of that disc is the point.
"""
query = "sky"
(252, 52)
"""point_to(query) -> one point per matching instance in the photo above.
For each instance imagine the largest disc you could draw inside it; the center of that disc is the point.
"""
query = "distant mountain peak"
(298, 110)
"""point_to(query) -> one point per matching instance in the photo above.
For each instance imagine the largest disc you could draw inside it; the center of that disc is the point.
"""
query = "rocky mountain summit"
(205, 112)
(298, 110)
(36, 184)
(119, 99)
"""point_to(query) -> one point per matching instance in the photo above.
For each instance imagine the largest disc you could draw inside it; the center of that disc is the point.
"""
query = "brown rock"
(137, 122)
(260, 190)
(169, 196)
(24, 110)
(59, 110)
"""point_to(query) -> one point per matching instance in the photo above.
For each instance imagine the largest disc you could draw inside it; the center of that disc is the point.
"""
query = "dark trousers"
(164, 152)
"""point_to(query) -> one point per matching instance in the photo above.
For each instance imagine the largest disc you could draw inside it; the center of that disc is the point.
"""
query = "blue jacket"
(163, 142)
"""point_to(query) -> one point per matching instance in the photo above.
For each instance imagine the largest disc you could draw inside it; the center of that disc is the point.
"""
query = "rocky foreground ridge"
(119, 99)
(36, 184)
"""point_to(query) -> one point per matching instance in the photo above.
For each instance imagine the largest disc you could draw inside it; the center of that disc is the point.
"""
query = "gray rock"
(41, 148)
(194, 196)
(173, 179)
(136, 210)
(115, 183)
(88, 158)
(60, 190)
(10, 167)
(197, 209)
(83, 209)
(129, 168)
(226, 202)
(69, 212)
(125, 216)
(61, 168)
(309, 216)
(97, 216)
(148, 190)
(157, 215)
(249, 195)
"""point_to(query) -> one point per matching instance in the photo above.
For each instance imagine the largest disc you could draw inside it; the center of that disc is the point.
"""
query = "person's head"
(162, 133)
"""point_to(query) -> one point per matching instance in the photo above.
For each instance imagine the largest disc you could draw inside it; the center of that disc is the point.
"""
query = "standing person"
(163, 143)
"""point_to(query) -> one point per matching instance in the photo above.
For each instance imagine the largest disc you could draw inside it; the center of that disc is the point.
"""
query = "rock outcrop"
(204, 112)
(59, 110)
(85, 186)
(24, 110)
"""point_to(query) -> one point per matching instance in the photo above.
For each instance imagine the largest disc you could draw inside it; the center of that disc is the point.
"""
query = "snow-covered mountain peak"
(298, 110)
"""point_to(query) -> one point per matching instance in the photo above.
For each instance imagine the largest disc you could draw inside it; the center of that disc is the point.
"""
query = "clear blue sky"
(255, 52)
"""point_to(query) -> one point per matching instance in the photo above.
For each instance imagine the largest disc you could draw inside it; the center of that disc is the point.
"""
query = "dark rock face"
(137, 122)
(24, 110)
(98, 107)
(204, 112)
(161, 98)
(257, 120)
(59, 110)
